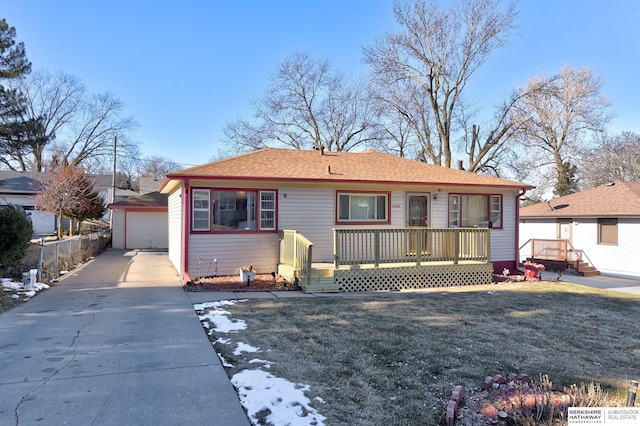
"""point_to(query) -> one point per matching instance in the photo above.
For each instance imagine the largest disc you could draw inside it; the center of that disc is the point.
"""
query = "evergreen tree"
(15, 234)
(13, 65)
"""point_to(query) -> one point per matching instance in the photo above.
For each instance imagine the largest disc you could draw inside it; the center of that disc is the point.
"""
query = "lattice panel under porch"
(413, 277)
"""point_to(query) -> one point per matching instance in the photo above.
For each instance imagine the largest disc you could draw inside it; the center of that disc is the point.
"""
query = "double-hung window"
(201, 213)
(475, 210)
(220, 210)
(363, 207)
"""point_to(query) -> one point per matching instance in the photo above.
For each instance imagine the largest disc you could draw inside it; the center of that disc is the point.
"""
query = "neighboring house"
(601, 225)
(140, 222)
(22, 188)
(368, 217)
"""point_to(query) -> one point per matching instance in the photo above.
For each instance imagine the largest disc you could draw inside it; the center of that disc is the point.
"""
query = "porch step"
(322, 284)
(580, 267)
(584, 269)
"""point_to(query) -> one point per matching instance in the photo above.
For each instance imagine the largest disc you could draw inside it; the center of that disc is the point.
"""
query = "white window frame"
(375, 195)
(207, 194)
(456, 216)
(268, 206)
(260, 216)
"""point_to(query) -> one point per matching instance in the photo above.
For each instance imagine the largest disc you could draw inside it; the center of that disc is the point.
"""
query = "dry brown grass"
(393, 358)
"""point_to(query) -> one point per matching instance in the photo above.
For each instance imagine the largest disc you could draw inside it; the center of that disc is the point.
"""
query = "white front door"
(564, 229)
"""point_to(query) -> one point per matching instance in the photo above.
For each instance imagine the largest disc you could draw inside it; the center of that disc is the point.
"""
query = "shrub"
(15, 233)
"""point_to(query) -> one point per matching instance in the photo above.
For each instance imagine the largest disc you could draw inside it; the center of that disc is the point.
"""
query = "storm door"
(418, 216)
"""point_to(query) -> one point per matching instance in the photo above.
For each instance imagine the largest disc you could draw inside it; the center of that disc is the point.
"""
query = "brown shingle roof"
(151, 199)
(367, 167)
(612, 200)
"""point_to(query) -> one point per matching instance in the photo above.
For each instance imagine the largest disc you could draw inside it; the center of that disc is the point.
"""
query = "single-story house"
(21, 188)
(140, 222)
(341, 220)
(600, 225)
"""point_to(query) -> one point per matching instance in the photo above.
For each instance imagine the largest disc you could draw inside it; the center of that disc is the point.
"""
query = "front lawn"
(394, 358)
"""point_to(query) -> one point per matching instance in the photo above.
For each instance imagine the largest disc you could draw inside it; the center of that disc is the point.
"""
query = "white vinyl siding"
(233, 251)
(175, 230)
(117, 230)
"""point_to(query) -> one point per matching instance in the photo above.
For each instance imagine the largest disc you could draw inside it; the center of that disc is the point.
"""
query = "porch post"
(336, 250)
(418, 247)
(488, 245)
(456, 245)
(376, 248)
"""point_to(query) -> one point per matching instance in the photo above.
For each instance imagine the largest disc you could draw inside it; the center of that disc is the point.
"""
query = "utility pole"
(113, 181)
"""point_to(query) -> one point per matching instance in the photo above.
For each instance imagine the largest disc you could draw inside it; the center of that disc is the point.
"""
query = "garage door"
(147, 230)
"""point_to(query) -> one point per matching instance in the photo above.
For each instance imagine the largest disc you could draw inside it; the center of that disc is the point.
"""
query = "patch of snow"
(41, 286)
(64, 272)
(223, 341)
(15, 296)
(29, 293)
(260, 392)
(13, 285)
(243, 347)
(224, 362)
(218, 317)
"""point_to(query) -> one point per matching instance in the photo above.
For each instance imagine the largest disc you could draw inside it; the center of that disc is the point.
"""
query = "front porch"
(559, 255)
(389, 259)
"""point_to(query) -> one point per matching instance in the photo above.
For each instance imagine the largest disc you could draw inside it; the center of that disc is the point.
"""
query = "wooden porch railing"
(377, 246)
(547, 249)
(296, 251)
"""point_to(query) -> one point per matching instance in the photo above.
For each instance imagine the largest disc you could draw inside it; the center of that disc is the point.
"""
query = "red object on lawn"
(531, 272)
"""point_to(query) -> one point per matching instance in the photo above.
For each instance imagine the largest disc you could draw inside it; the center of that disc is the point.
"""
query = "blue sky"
(184, 69)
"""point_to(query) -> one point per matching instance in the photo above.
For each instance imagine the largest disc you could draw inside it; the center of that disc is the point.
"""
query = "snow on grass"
(243, 347)
(218, 317)
(21, 291)
(261, 392)
(269, 400)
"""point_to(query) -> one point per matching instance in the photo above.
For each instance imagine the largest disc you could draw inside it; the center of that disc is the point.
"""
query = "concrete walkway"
(623, 285)
(115, 343)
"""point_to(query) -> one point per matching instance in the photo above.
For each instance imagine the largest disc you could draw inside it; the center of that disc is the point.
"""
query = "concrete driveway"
(115, 343)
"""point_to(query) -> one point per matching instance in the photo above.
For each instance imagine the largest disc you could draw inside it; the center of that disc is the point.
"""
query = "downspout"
(186, 208)
(517, 242)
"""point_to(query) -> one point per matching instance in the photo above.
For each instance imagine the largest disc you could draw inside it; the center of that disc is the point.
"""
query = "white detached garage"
(141, 222)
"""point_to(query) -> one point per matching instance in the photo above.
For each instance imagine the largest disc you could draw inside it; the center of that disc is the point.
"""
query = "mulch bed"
(262, 282)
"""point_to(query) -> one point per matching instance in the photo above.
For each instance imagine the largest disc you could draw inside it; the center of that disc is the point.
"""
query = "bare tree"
(52, 100)
(307, 104)
(157, 166)
(433, 55)
(612, 158)
(75, 126)
(560, 116)
(70, 193)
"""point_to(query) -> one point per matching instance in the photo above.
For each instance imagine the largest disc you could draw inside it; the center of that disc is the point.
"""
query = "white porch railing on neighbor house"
(296, 252)
(379, 246)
